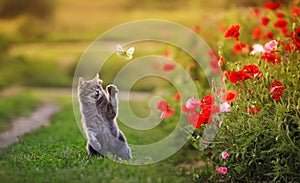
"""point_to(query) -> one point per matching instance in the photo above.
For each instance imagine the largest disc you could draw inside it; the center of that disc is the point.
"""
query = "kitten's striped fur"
(99, 109)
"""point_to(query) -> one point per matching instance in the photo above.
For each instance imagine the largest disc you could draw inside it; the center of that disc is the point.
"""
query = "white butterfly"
(127, 55)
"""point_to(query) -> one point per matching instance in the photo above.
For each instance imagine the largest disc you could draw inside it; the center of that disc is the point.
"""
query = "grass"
(14, 106)
(57, 154)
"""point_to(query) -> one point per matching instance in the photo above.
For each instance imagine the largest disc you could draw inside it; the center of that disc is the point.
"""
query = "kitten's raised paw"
(112, 89)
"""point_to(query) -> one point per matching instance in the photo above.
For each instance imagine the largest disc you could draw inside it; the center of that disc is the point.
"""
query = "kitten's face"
(91, 88)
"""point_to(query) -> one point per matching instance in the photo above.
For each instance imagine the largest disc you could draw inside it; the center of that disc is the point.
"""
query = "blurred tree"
(38, 8)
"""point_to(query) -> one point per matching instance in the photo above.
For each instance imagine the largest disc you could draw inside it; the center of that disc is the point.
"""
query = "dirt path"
(24, 125)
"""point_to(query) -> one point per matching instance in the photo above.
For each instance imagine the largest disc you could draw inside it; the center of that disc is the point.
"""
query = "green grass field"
(57, 154)
(17, 105)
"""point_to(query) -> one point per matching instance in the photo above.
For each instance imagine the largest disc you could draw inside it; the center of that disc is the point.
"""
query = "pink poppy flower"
(221, 170)
(225, 107)
(257, 49)
(271, 46)
(225, 155)
(193, 103)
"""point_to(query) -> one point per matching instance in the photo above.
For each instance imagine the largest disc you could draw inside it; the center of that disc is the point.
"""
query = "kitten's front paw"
(112, 89)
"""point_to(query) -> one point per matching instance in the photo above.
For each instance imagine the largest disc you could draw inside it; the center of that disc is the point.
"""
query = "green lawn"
(14, 106)
(57, 154)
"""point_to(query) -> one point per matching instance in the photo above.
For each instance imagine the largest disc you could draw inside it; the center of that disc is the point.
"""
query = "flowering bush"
(258, 137)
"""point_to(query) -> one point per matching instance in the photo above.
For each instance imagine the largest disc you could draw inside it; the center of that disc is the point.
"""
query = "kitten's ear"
(81, 81)
(97, 80)
(96, 77)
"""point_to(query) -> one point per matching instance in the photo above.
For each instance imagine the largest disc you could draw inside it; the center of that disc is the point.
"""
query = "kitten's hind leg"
(92, 151)
(92, 140)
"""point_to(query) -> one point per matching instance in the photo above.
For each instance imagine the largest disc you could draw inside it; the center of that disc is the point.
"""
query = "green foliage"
(15, 106)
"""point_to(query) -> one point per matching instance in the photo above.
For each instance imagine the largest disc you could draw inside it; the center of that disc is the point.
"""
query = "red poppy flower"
(216, 64)
(284, 31)
(296, 34)
(164, 107)
(225, 75)
(256, 33)
(276, 89)
(292, 46)
(229, 96)
(280, 23)
(206, 114)
(194, 120)
(252, 71)
(280, 15)
(212, 53)
(271, 57)
(177, 96)
(167, 113)
(269, 35)
(272, 6)
(192, 64)
(256, 12)
(237, 76)
(168, 67)
(265, 21)
(296, 44)
(253, 110)
(167, 52)
(207, 100)
(197, 28)
(241, 48)
(233, 31)
(295, 11)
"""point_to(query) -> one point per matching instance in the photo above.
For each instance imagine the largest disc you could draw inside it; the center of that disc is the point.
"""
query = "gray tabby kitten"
(99, 109)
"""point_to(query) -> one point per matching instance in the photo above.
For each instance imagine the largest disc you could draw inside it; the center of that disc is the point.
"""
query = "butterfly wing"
(130, 51)
(119, 48)
(128, 54)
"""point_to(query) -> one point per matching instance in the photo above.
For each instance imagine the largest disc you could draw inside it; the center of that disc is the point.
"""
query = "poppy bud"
(266, 67)
(259, 62)
(267, 75)
(287, 69)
